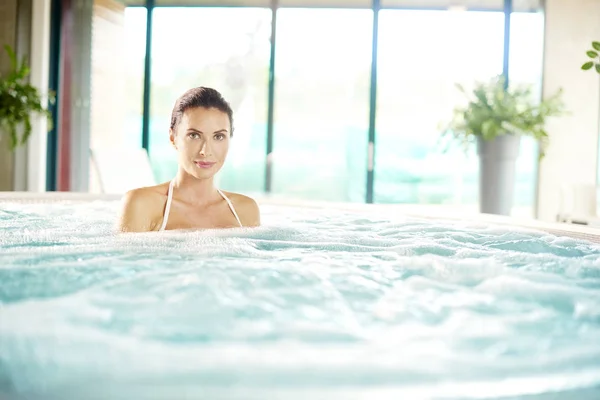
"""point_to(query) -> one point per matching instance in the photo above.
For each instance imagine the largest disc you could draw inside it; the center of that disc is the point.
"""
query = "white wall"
(39, 65)
(572, 156)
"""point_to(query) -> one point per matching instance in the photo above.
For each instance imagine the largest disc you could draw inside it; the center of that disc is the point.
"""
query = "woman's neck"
(193, 190)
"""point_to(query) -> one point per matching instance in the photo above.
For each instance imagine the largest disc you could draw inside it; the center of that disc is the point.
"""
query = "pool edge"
(439, 212)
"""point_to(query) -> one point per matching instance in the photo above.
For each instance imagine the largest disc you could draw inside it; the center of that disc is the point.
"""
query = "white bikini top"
(170, 199)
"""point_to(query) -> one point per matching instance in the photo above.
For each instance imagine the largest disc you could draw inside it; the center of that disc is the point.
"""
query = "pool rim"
(437, 212)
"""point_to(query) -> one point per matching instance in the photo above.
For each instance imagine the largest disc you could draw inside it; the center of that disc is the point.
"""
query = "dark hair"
(200, 97)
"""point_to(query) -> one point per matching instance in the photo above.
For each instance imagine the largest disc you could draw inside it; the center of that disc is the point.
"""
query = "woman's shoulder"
(246, 207)
(147, 194)
(142, 207)
(242, 199)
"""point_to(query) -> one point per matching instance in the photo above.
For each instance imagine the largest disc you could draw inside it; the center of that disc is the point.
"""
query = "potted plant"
(595, 58)
(18, 101)
(494, 119)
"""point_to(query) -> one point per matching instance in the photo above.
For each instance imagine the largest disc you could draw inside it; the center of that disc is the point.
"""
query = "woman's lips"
(204, 164)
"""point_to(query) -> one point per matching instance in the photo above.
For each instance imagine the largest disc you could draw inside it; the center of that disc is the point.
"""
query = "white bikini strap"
(168, 206)
(230, 207)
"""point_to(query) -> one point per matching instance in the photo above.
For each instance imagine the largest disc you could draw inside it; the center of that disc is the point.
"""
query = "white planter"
(497, 162)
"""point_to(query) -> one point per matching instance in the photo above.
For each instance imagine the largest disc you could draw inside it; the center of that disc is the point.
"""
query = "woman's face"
(202, 141)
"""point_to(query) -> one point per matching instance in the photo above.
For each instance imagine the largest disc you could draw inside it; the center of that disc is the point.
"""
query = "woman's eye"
(220, 136)
(193, 135)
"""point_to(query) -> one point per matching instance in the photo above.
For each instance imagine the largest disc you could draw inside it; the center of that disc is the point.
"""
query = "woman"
(201, 128)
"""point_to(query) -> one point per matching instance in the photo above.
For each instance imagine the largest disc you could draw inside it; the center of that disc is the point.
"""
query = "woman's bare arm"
(135, 212)
(249, 211)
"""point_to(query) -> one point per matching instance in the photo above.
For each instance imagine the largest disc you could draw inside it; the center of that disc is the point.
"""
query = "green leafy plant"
(18, 101)
(493, 111)
(594, 54)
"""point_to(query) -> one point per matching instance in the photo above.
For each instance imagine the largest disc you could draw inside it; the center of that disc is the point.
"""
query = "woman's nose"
(204, 148)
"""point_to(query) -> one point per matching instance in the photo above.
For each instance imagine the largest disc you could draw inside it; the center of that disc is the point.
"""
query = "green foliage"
(595, 56)
(494, 111)
(18, 100)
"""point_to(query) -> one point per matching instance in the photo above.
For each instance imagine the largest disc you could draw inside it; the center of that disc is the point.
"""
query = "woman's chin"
(203, 173)
(203, 176)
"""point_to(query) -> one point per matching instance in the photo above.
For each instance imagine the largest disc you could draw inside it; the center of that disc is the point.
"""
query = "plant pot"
(497, 162)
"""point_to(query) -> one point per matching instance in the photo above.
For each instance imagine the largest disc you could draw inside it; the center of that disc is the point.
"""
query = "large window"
(418, 71)
(525, 68)
(133, 84)
(117, 85)
(322, 75)
(422, 56)
(322, 83)
(224, 48)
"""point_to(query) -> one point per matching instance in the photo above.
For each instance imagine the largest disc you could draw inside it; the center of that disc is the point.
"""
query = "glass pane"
(418, 71)
(224, 48)
(527, 5)
(212, 3)
(518, 5)
(135, 55)
(525, 68)
(322, 103)
(117, 79)
(327, 3)
(440, 4)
